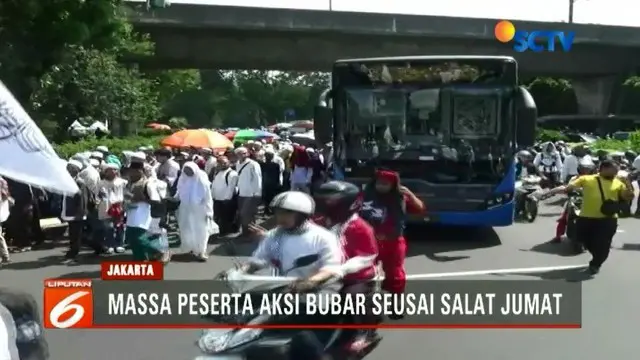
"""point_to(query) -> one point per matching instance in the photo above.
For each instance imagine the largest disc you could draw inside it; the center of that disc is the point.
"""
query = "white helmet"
(294, 201)
(586, 161)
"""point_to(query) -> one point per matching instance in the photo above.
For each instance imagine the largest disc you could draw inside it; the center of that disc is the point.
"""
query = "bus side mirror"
(526, 116)
(322, 124)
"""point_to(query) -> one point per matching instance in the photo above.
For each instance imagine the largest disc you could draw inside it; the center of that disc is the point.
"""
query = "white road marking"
(530, 270)
(492, 272)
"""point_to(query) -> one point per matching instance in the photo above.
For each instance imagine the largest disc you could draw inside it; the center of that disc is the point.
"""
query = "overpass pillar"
(597, 96)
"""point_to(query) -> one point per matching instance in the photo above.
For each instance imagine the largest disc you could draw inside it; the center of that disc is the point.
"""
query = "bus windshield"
(444, 112)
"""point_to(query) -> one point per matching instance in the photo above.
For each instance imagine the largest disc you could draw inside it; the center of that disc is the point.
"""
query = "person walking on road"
(138, 199)
(385, 205)
(195, 213)
(598, 220)
(224, 190)
(249, 189)
(74, 212)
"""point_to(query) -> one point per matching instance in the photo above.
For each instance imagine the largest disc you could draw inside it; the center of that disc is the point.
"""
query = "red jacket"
(388, 226)
(358, 239)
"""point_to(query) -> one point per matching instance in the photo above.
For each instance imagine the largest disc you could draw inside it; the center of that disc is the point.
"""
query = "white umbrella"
(76, 125)
(98, 126)
(32, 159)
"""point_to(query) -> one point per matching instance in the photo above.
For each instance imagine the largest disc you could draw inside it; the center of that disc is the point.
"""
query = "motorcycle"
(527, 191)
(272, 344)
(573, 212)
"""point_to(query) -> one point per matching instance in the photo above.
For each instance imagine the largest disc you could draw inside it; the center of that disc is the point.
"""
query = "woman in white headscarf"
(195, 213)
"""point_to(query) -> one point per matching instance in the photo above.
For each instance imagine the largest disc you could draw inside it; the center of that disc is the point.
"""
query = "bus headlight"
(499, 199)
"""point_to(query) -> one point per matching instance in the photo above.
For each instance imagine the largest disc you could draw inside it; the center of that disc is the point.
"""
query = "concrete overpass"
(224, 37)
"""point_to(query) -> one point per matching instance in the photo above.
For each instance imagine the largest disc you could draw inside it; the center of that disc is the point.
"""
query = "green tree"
(91, 84)
(36, 36)
(171, 84)
(249, 98)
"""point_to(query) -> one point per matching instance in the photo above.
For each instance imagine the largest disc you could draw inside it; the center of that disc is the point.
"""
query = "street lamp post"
(330, 5)
(571, 3)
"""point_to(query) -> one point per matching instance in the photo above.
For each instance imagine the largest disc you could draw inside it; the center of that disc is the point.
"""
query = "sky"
(605, 12)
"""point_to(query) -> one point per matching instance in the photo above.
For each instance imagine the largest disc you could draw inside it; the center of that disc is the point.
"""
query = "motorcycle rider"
(295, 237)
(571, 163)
(586, 166)
(562, 148)
(524, 166)
(549, 163)
(338, 203)
(618, 157)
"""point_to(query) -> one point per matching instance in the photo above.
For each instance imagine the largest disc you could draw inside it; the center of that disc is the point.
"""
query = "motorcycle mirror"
(306, 260)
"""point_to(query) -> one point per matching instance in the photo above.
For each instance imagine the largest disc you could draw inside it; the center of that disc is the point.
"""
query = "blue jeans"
(112, 236)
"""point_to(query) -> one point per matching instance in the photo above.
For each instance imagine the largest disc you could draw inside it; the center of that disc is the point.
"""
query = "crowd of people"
(130, 199)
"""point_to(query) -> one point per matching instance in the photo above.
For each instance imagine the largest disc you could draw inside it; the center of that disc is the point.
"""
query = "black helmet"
(337, 200)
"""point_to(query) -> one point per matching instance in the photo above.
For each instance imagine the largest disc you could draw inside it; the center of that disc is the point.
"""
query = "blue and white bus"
(450, 125)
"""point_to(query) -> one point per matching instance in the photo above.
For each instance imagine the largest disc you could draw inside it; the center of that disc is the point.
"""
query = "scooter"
(272, 344)
(573, 212)
(527, 191)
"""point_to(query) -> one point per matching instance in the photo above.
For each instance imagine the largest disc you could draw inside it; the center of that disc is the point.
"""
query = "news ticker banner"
(83, 303)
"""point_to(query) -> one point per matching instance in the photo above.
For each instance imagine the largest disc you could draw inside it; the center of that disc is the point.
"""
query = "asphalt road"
(609, 300)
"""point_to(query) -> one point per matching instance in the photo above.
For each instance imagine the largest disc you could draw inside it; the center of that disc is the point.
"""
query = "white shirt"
(139, 214)
(570, 166)
(168, 171)
(210, 165)
(249, 178)
(161, 188)
(114, 193)
(286, 249)
(278, 160)
(91, 178)
(224, 185)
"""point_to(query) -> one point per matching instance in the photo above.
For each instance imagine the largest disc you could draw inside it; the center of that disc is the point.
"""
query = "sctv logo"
(536, 41)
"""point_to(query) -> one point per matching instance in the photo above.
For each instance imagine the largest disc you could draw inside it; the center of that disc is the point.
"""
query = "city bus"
(449, 125)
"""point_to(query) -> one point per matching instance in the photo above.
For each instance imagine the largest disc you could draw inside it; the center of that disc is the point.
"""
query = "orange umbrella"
(198, 138)
(157, 126)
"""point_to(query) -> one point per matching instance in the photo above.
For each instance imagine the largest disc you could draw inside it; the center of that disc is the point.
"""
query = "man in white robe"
(195, 213)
